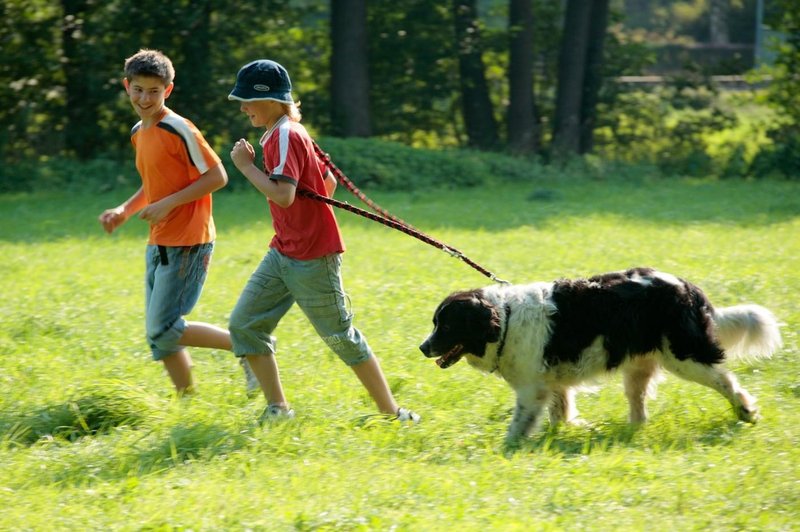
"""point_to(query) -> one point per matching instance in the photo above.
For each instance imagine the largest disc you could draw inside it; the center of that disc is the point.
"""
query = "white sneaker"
(252, 387)
(276, 413)
(404, 414)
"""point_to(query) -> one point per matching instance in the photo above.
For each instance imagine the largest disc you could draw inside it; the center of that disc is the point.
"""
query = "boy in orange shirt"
(179, 171)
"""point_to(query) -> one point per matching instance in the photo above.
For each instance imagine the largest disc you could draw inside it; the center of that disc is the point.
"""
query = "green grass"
(90, 437)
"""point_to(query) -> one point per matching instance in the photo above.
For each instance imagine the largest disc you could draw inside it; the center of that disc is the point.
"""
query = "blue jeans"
(316, 286)
(174, 279)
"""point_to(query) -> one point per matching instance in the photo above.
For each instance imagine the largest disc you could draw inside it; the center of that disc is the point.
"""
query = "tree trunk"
(718, 15)
(523, 131)
(571, 74)
(637, 13)
(350, 108)
(193, 77)
(476, 106)
(79, 111)
(593, 81)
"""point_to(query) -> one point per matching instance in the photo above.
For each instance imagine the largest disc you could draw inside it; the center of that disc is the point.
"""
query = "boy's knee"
(349, 346)
(161, 349)
(163, 342)
(237, 321)
(247, 340)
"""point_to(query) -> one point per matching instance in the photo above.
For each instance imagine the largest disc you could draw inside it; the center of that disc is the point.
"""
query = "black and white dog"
(546, 338)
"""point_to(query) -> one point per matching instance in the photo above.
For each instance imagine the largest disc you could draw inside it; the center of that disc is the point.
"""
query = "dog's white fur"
(746, 331)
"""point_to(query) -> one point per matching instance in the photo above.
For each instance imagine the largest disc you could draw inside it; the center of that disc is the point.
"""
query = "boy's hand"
(242, 154)
(112, 218)
(156, 212)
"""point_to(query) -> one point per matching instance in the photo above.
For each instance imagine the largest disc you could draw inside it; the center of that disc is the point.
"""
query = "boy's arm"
(110, 219)
(279, 192)
(213, 180)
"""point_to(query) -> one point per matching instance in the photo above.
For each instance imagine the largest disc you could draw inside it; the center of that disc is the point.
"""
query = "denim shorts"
(316, 286)
(173, 282)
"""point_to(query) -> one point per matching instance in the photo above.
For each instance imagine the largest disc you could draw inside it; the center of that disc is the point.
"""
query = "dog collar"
(502, 345)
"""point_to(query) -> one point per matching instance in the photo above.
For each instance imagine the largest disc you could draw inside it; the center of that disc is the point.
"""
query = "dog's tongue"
(450, 358)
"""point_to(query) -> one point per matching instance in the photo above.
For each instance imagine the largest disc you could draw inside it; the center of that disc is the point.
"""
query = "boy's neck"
(272, 123)
(154, 118)
(271, 127)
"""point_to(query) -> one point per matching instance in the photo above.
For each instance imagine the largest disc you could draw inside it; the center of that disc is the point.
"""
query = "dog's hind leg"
(638, 380)
(531, 400)
(718, 378)
(562, 406)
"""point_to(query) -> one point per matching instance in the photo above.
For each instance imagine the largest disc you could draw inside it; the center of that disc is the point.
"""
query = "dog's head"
(462, 324)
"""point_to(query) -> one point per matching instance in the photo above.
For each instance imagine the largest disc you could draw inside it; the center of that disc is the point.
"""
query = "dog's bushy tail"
(747, 331)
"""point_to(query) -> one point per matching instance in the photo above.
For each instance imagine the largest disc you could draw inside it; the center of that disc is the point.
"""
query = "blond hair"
(292, 110)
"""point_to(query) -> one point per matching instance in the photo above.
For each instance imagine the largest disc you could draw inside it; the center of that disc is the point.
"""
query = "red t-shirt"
(307, 229)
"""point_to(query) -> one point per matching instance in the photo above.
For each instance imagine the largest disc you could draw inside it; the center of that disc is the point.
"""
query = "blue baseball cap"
(262, 80)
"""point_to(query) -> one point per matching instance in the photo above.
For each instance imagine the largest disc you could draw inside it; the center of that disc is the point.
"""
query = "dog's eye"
(444, 327)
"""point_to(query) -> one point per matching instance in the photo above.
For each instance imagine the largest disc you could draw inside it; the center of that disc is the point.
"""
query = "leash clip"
(452, 253)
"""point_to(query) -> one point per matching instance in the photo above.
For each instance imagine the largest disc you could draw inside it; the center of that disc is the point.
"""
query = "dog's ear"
(489, 320)
(494, 326)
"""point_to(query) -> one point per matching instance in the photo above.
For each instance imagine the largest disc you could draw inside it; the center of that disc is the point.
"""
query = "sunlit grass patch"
(92, 437)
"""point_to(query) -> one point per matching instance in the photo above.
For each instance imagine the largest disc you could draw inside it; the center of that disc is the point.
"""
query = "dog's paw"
(578, 422)
(748, 414)
(513, 439)
(512, 446)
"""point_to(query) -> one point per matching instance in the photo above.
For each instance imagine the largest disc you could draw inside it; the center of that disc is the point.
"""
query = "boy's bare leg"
(179, 368)
(265, 368)
(370, 374)
(199, 334)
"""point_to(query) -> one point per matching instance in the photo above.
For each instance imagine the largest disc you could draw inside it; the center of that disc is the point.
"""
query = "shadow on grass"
(146, 446)
(195, 441)
(51, 216)
(96, 410)
(585, 440)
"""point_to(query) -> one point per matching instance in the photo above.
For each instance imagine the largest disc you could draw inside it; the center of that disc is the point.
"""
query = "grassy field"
(90, 437)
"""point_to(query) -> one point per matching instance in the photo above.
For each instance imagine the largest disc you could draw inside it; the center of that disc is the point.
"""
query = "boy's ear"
(168, 90)
(126, 84)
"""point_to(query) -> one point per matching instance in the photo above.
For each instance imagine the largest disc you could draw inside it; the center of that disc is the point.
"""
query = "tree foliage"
(61, 68)
(782, 93)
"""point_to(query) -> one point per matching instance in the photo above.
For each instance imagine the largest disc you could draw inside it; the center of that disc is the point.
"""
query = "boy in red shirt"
(303, 263)
(179, 171)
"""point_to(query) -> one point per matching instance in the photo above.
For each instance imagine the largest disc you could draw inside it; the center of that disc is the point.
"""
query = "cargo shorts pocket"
(329, 314)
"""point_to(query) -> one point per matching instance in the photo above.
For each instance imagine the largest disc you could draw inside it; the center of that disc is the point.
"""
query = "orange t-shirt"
(171, 155)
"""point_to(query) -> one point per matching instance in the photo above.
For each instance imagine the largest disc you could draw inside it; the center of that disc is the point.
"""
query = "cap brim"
(250, 96)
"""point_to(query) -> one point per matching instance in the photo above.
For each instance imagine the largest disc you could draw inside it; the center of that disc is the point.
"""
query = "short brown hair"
(152, 63)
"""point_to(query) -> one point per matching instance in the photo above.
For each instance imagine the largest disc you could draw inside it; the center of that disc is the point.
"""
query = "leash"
(384, 217)
(502, 345)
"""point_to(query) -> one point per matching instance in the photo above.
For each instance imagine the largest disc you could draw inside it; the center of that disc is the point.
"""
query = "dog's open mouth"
(451, 357)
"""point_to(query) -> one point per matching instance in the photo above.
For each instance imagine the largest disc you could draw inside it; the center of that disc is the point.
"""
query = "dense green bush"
(782, 156)
(668, 126)
(644, 143)
(56, 173)
(369, 163)
(390, 166)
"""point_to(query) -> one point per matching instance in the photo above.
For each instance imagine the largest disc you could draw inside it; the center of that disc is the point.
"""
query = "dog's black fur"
(545, 338)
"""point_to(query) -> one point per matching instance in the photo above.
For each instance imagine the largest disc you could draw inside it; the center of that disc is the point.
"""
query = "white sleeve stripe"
(283, 148)
(192, 146)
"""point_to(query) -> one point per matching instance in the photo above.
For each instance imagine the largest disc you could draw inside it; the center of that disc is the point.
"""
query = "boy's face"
(147, 95)
(262, 113)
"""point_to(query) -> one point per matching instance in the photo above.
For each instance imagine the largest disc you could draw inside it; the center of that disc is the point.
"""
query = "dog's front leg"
(531, 400)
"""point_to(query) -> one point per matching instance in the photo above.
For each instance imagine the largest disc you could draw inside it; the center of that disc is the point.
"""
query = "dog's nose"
(425, 348)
